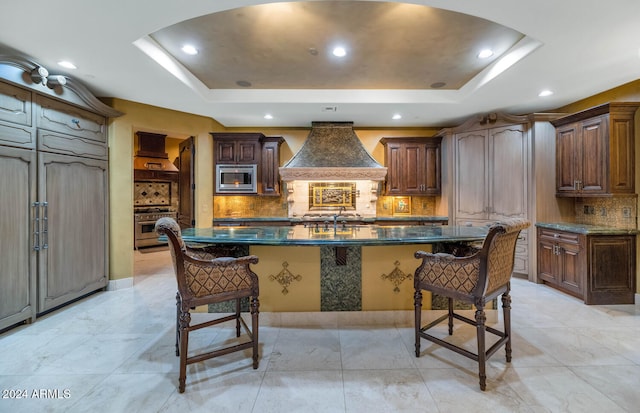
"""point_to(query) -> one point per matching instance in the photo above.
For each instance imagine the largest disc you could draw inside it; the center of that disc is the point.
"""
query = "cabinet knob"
(556, 235)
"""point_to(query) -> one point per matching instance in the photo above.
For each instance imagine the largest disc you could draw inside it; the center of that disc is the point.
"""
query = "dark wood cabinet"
(600, 269)
(248, 148)
(269, 166)
(595, 151)
(237, 148)
(560, 260)
(413, 165)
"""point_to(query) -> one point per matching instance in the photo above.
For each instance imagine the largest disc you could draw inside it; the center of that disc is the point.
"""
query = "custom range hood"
(332, 151)
(151, 155)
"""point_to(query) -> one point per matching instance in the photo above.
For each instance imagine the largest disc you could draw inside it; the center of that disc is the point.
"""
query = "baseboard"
(338, 319)
(120, 284)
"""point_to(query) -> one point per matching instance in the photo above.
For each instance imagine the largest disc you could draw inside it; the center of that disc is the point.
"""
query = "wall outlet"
(589, 210)
(626, 212)
(603, 212)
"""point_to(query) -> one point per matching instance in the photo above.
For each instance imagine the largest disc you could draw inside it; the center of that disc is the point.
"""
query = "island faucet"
(335, 217)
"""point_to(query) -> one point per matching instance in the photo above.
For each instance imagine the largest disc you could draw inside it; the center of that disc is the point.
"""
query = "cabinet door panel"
(17, 256)
(248, 152)
(612, 275)
(225, 152)
(622, 153)
(413, 172)
(60, 117)
(594, 161)
(547, 262)
(508, 172)
(471, 175)
(432, 178)
(566, 160)
(393, 162)
(75, 261)
(16, 125)
(571, 271)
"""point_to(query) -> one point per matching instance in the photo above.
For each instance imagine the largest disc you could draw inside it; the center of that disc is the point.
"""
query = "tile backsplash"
(155, 194)
(618, 212)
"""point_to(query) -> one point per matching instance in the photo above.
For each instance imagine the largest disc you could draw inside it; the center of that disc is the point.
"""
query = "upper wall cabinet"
(237, 148)
(595, 151)
(251, 149)
(413, 165)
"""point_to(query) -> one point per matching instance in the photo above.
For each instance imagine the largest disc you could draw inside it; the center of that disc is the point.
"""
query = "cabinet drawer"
(567, 237)
(61, 117)
(71, 145)
(17, 135)
(15, 104)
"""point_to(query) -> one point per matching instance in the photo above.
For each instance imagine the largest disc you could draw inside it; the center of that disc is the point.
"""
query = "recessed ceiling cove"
(289, 46)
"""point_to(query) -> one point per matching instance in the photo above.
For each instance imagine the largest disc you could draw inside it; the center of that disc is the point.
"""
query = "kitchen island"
(342, 268)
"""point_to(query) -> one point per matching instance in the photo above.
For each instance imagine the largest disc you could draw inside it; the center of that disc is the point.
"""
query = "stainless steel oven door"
(145, 234)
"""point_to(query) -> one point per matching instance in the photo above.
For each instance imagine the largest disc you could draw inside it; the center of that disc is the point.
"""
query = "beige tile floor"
(114, 352)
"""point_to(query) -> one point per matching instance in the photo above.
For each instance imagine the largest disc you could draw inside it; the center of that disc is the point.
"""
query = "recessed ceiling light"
(438, 85)
(243, 83)
(268, 116)
(396, 116)
(339, 51)
(484, 53)
(67, 64)
(545, 92)
(188, 49)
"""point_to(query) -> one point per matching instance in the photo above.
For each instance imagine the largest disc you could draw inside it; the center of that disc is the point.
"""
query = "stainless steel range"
(144, 223)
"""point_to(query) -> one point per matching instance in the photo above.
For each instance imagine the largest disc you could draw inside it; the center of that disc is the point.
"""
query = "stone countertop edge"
(587, 229)
(365, 219)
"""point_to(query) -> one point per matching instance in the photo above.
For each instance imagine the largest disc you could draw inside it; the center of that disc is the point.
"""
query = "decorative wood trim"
(73, 86)
(482, 120)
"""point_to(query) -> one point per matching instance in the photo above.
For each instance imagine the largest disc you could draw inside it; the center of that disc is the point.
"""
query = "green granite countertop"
(324, 217)
(586, 229)
(342, 235)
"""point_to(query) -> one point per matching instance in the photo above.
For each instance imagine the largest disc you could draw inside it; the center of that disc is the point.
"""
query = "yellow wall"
(178, 125)
(629, 92)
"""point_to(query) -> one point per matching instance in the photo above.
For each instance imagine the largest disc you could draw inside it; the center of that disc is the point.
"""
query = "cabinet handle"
(577, 185)
(45, 225)
(36, 226)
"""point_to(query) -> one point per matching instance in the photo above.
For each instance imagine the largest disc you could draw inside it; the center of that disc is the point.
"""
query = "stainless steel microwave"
(240, 179)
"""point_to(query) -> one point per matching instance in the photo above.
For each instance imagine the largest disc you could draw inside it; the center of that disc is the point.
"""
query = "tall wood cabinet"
(490, 175)
(413, 165)
(54, 203)
(595, 151)
(500, 166)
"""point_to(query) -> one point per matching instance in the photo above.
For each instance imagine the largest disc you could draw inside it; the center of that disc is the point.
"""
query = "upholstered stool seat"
(206, 279)
(475, 279)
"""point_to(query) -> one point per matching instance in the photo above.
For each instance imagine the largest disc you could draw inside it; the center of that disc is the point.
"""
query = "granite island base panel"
(342, 268)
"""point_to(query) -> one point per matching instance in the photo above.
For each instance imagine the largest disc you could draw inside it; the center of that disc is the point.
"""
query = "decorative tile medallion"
(285, 278)
(397, 277)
